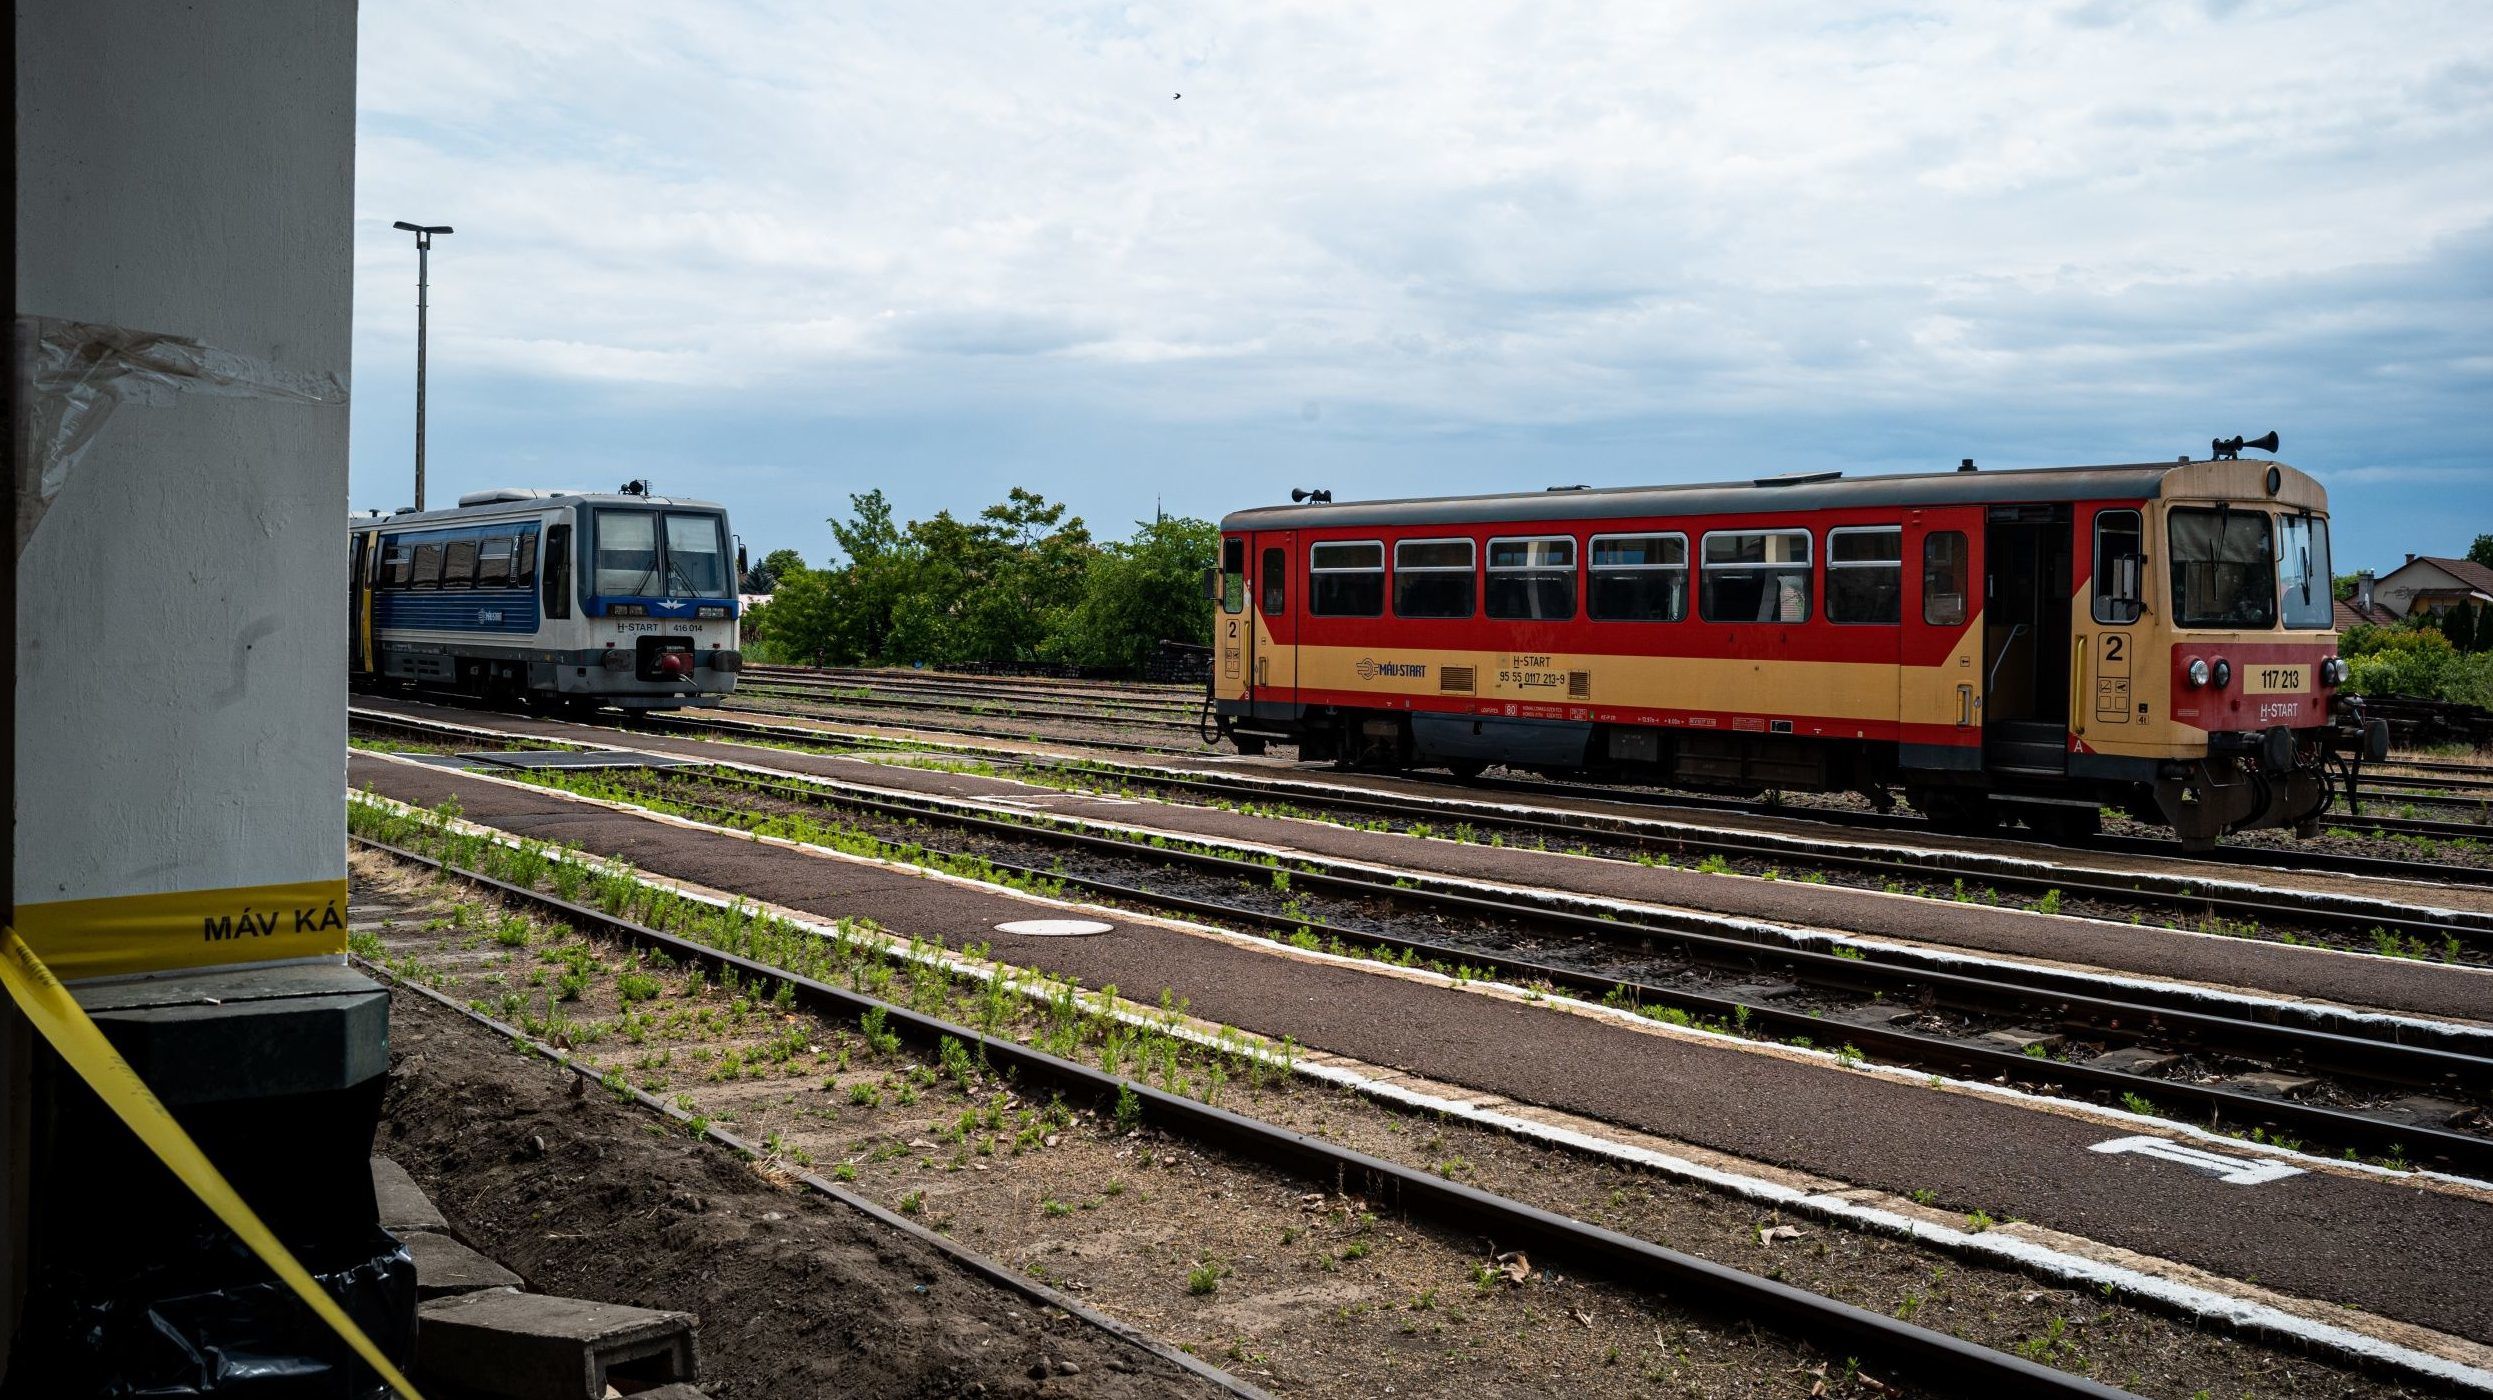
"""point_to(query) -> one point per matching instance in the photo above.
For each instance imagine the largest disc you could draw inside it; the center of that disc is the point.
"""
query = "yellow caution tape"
(116, 936)
(64, 1023)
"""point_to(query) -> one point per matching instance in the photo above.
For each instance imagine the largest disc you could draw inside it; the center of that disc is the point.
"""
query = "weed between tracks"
(1305, 1292)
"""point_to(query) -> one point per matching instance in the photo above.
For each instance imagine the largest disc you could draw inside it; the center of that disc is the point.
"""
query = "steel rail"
(1930, 1357)
(2285, 906)
(2131, 1021)
(1113, 745)
(955, 705)
(2317, 862)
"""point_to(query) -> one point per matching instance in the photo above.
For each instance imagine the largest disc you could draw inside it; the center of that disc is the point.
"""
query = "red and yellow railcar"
(2035, 643)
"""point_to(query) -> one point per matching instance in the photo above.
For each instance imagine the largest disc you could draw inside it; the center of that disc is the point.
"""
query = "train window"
(1865, 574)
(458, 564)
(524, 560)
(696, 557)
(1532, 578)
(394, 563)
(1346, 579)
(1275, 584)
(1233, 576)
(2224, 569)
(1637, 578)
(2303, 571)
(1755, 576)
(2119, 544)
(1947, 573)
(555, 594)
(493, 562)
(627, 554)
(425, 572)
(1433, 578)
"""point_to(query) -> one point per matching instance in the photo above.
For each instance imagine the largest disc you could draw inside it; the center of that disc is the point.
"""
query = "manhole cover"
(1053, 928)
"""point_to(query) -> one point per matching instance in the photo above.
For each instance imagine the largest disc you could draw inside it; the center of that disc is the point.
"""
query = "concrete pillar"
(183, 263)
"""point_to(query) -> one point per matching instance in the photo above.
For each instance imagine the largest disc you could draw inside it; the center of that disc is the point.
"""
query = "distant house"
(2431, 584)
(2351, 613)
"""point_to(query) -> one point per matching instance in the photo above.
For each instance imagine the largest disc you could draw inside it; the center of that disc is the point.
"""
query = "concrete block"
(2135, 1059)
(2427, 1111)
(211, 1037)
(673, 1392)
(2283, 1086)
(445, 1267)
(526, 1346)
(2020, 1039)
(404, 1206)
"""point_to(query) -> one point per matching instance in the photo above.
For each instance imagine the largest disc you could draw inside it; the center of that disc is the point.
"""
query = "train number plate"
(2276, 680)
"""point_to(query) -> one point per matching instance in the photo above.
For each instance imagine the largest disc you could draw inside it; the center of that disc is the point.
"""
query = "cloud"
(1538, 231)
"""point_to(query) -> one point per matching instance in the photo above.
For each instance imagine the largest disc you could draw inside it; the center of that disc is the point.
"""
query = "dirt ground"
(797, 1296)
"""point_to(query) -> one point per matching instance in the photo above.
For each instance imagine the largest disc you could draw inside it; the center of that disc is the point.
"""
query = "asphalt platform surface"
(2400, 1249)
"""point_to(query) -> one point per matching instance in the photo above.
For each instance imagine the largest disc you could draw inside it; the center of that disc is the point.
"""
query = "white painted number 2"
(2235, 1171)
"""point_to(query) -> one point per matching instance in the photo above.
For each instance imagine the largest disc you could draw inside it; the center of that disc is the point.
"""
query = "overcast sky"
(774, 254)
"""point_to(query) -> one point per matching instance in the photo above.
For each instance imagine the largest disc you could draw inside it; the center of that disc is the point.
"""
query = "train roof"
(1805, 491)
(500, 502)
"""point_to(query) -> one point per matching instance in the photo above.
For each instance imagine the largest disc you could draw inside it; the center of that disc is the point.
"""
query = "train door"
(1276, 619)
(1233, 626)
(2026, 640)
(1939, 701)
(359, 550)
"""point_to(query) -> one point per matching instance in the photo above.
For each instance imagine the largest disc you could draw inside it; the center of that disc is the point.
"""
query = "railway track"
(2358, 923)
(2302, 1038)
(1926, 1357)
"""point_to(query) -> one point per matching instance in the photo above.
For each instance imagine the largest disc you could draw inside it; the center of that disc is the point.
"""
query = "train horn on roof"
(2230, 449)
(1300, 494)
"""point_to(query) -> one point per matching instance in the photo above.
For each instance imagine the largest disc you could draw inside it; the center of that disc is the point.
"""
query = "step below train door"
(1276, 616)
(2026, 640)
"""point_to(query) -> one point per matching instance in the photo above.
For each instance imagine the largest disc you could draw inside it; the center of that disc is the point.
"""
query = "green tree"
(2481, 551)
(763, 577)
(1142, 591)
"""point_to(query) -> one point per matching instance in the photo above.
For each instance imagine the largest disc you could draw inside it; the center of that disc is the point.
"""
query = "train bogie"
(2026, 644)
(548, 598)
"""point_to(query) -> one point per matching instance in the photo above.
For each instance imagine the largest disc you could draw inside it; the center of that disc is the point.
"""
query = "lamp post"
(424, 260)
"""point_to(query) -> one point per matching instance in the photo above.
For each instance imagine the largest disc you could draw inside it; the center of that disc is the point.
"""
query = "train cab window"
(395, 560)
(1274, 584)
(1947, 573)
(554, 594)
(1865, 574)
(1433, 578)
(627, 554)
(425, 572)
(1346, 579)
(493, 562)
(2120, 563)
(524, 560)
(2303, 578)
(1532, 578)
(2224, 569)
(1636, 578)
(1233, 576)
(458, 565)
(696, 564)
(1755, 576)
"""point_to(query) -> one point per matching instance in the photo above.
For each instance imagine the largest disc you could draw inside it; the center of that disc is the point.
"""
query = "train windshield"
(627, 553)
(2224, 573)
(681, 554)
(2303, 579)
(696, 556)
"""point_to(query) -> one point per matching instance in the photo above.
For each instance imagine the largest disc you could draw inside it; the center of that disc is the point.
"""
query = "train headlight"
(2224, 673)
(2197, 671)
(717, 611)
(2333, 671)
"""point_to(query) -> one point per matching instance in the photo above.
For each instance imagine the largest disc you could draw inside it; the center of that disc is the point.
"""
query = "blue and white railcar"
(553, 597)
